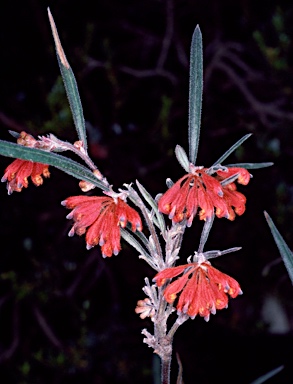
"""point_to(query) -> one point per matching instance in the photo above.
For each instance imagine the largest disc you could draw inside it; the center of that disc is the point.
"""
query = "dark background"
(67, 314)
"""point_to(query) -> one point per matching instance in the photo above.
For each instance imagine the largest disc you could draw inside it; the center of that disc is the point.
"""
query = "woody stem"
(166, 359)
(165, 370)
(163, 341)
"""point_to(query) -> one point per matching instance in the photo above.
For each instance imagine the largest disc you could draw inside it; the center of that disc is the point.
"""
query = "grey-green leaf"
(153, 204)
(285, 252)
(205, 232)
(69, 166)
(70, 86)
(268, 375)
(195, 93)
(127, 236)
(232, 149)
(182, 158)
(251, 165)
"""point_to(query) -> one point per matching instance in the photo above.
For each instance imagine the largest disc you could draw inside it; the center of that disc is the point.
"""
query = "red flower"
(102, 216)
(201, 190)
(19, 170)
(204, 288)
(234, 199)
(243, 174)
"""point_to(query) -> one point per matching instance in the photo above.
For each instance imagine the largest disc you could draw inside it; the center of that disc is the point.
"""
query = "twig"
(10, 123)
(8, 353)
(46, 328)
(168, 34)
(230, 63)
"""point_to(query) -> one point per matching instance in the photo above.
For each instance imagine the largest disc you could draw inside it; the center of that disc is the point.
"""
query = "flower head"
(145, 308)
(204, 289)
(17, 173)
(200, 190)
(100, 218)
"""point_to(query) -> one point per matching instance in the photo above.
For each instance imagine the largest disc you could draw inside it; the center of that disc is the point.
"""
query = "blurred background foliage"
(66, 314)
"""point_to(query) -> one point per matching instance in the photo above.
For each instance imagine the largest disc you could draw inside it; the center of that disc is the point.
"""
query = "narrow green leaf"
(195, 93)
(182, 158)
(205, 232)
(69, 166)
(70, 85)
(127, 236)
(232, 149)
(251, 165)
(141, 236)
(268, 375)
(160, 218)
(284, 250)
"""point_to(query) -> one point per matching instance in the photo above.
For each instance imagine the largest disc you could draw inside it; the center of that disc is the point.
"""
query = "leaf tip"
(268, 218)
(197, 29)
(59, 49)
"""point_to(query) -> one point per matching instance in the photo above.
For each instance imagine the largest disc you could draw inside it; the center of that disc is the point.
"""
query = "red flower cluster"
(102, 216)
(204, 288)
(18, 171)
(201, 190)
